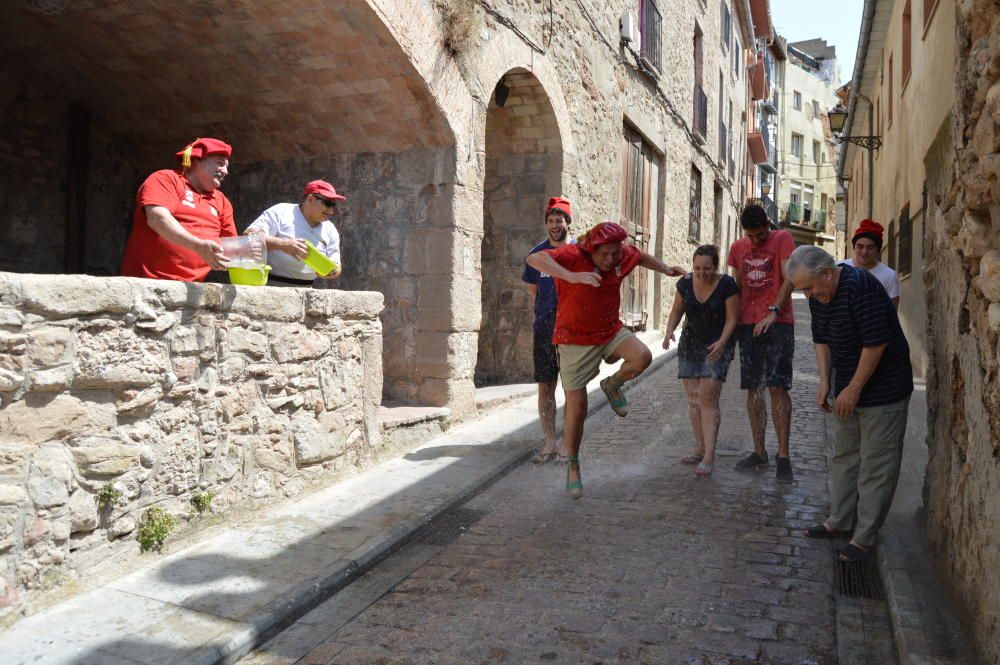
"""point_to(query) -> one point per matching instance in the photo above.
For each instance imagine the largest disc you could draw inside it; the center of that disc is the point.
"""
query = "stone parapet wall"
(163, 390)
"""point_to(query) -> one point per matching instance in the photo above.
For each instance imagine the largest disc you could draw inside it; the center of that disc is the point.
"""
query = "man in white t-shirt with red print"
(766, 332)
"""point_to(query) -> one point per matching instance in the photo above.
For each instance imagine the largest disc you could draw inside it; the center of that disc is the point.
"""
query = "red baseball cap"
(201, 148)
(559, 203)
(324, 189)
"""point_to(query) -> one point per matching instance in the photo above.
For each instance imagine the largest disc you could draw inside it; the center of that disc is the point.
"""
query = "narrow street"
(651, 566)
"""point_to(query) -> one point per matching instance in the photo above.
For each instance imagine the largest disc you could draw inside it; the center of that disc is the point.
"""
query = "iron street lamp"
(765, 188)
(838, 117)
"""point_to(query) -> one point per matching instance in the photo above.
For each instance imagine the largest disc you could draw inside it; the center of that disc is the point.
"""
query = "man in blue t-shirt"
(856, 330)
(558, 217)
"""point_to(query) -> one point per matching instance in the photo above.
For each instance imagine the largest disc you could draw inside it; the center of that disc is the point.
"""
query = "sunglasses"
(326, 202)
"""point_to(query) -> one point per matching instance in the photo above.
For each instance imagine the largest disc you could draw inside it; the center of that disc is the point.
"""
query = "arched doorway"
(524, 163)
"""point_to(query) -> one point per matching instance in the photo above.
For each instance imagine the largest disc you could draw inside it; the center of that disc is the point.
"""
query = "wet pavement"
(651, 566)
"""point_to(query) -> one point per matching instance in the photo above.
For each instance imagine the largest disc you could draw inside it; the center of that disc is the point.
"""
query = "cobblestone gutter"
(162, 390)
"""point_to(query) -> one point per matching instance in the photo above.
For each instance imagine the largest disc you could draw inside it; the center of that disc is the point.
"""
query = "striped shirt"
(861, 315)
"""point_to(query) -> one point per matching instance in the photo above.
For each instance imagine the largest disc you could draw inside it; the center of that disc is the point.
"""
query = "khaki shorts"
(579, 364)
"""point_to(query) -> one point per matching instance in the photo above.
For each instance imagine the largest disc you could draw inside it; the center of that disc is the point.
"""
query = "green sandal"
(574, 488)
(618, 404)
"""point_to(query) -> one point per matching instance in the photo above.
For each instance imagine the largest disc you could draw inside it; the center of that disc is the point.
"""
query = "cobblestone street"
(651, 566)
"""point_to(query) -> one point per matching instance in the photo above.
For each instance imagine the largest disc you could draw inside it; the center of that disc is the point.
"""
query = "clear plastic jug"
(245, 251)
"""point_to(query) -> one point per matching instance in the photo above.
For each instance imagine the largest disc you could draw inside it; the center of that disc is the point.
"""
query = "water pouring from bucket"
(247, 260)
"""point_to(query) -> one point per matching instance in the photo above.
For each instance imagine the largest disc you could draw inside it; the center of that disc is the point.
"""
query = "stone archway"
(523, 167)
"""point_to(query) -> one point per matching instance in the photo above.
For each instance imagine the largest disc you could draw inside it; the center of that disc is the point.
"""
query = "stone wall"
(962, 286)
(164, 389)
(392, 201)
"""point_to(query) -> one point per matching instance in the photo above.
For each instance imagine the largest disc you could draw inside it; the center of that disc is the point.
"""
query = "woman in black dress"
(711, 304)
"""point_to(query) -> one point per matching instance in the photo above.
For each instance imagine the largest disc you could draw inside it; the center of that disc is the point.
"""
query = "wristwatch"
(772, 308)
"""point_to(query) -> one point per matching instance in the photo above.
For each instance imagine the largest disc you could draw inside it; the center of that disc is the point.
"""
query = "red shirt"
(761, 275)
(588, 315)
(206, 216)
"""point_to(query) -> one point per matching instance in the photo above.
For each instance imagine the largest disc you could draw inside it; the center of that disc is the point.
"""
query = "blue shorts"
(766, 361)
(694, 367)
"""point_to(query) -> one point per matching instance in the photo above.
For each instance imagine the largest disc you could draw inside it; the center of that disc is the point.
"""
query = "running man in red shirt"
(588, 284)
(180, 216)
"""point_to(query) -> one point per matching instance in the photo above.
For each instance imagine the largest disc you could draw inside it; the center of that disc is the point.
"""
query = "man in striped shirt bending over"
(855, 327)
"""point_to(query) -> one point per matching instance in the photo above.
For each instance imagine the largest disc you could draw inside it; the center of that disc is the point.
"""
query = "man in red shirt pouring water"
(588, 284)
(180, 214)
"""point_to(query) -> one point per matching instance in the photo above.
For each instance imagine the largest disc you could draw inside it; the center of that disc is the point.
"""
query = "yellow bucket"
(249, 275)
(318, 261)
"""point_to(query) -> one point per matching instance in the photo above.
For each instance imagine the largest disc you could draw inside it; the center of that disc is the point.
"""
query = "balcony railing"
(805, 216)
(650, 27)
(793, 214)
(700, 124)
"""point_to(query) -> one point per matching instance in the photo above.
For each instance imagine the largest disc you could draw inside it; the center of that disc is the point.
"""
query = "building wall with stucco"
(804, 179)
(909, 124)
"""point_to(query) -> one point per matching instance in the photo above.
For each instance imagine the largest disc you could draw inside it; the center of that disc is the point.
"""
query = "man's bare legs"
(547, 416)
(636, 355)
(781, 412)
(573, 419)
(757, 408)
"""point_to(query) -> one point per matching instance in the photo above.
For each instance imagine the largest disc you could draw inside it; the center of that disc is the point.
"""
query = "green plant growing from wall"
(154, 526)
(459, 24)
(108, 497)
(202, 502)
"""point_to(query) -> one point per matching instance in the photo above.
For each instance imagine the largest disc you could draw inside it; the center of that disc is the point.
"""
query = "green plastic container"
(318, 261)
(249, 275)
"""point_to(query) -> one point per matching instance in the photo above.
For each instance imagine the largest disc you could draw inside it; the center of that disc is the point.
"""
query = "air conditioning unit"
(630, 29)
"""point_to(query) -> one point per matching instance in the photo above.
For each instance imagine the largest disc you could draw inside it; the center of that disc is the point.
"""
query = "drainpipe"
(871, 157)
(867, 18)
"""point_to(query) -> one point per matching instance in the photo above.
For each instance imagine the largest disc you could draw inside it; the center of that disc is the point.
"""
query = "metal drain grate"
(448, 526)
(859, 580)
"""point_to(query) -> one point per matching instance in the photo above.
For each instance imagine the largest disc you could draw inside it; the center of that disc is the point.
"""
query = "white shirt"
(883, 273)
(285, 220)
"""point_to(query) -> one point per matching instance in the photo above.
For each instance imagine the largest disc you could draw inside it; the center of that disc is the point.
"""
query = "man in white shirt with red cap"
(287, 226)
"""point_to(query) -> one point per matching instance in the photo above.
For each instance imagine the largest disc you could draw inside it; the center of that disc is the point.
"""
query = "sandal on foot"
(703, 470)
(616, 399)
(854, 554)
(575, 487)
(543, 458)
(820, 531)
(691, 460)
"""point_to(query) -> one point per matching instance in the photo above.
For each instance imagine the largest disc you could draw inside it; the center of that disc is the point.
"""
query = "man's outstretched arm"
(653, 263)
